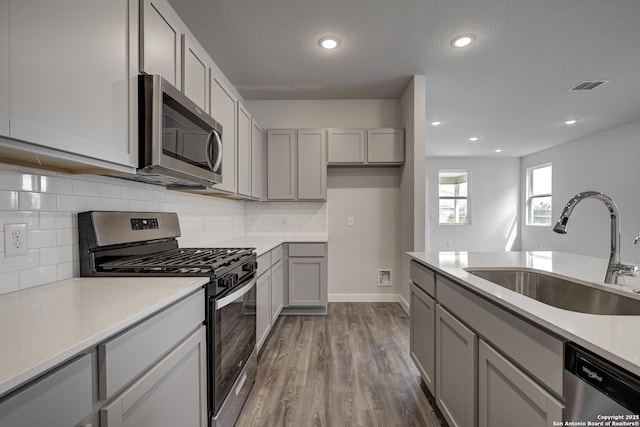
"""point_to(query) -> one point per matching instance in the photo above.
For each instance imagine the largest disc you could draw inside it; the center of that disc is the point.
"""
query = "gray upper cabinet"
(195, 72)
(256, 161)
(296, 164)
(505, 394)
(4, 67)
(456, 370)
(223, 109)
(161, 41)
(346, 146)
(385, 145)
(244, 151)
(281, 164)
(71, 71)
(357, 147)
(312, 164)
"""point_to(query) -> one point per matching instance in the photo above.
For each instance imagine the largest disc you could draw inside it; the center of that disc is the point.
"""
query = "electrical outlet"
(284, 220)
(15, 239)
(350, 222)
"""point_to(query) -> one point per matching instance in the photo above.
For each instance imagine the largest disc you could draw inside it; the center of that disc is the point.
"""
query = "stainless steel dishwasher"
(597, 390)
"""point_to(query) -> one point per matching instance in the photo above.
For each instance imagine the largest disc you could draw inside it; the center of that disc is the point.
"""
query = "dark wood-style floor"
(349, 368)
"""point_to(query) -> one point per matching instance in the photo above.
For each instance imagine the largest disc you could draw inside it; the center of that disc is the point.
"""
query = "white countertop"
(43, 326)
(616, 338)
(264, 244)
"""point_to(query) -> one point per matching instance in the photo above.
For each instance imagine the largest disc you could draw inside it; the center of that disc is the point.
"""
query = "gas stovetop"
(200, 261)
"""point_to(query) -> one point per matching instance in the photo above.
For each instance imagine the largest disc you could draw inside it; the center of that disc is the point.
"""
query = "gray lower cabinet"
(263, 308)
(456, 356)
(507, 396)
(277, 290)
(62, 398)
(422, 335)
(307, 275)
(173, 392)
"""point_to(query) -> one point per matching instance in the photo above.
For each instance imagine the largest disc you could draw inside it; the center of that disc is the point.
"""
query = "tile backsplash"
(48, 203)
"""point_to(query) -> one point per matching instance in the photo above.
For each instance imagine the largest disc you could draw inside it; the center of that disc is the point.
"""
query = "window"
(539, 195)
(453, 193)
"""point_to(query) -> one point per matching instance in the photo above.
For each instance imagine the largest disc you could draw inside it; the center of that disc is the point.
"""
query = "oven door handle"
(228, 299)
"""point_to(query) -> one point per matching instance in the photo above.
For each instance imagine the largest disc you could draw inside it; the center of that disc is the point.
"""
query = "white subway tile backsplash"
(38, 276)
(37, 239)
(9, 200)
(37, 201)
(49, 203)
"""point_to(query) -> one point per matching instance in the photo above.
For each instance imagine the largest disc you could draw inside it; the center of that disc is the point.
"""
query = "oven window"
(235, 340)
(186, 138)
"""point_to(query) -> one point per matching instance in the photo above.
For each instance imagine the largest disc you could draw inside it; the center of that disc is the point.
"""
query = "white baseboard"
(365, 298)
(404, 303)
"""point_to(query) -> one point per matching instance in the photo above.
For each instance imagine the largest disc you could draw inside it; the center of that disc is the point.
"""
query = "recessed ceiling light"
(473, 139)
(571, 122)
(329, 42)
(436, 123)
(463, 40)
(499, 150)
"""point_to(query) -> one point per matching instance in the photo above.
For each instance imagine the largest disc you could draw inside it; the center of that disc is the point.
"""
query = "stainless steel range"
(145, 244)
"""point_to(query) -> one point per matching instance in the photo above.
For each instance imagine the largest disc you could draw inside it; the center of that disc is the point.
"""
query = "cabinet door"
(161, 41)
(61, 399)
(223, 109)
(281, 164)
(4, 67)
(456, 376)
(346, 146)
(423, 335)
(277, 291)
(195, 72)
(172, 393)
(256, 161)
(307, 281)
(312, 164)
(385, 145)
(244, 151)
(506, 394)
(69, 76)
(263, 308)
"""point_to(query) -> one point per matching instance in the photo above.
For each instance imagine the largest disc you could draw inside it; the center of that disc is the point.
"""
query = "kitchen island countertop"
(44, 326)
(616, 338)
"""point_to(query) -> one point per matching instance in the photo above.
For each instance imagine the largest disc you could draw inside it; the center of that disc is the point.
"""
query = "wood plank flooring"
(349, 368)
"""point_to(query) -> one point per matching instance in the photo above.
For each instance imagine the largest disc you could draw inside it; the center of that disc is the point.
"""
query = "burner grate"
(185, 260)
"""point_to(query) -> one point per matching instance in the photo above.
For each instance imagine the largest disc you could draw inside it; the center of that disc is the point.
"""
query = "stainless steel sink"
(558, 292)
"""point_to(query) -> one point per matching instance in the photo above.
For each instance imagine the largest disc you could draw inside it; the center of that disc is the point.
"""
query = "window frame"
(531, 196)
(467, 198)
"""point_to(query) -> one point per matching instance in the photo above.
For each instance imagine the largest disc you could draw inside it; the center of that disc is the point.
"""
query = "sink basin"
(559, 292)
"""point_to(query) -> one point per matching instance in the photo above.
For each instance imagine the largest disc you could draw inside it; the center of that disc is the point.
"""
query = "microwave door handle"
(216, 165)
(208, 150)
(225, 301)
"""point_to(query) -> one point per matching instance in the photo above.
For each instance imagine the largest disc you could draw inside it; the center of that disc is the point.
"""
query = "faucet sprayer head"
(561, 224)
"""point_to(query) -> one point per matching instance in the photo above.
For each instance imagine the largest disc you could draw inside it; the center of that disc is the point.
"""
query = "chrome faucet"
(615, 270)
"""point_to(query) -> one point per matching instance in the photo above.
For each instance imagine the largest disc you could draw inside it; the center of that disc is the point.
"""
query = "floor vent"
(588, 85)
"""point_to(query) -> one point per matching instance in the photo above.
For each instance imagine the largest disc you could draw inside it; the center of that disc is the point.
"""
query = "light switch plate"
(15, 239)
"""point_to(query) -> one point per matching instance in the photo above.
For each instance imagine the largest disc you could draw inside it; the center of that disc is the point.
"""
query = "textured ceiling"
(510, 88)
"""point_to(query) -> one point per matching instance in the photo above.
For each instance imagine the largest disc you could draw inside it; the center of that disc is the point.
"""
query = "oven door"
(233, 340)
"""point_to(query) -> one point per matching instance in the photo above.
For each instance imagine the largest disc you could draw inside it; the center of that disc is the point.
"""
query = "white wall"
(371, 196)
(607, 162)
(494, 200)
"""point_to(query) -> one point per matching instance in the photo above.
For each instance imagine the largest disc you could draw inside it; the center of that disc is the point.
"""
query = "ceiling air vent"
(588, 85)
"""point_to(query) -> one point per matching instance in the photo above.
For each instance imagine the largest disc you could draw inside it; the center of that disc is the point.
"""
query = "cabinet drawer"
(533, 349)
(264, 263)
(62, 399)
(126, 356)
(423, 277)
(307, 250)
(276, 254)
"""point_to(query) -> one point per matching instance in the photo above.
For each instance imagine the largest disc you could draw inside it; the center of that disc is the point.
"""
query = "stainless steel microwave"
(180, 145)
